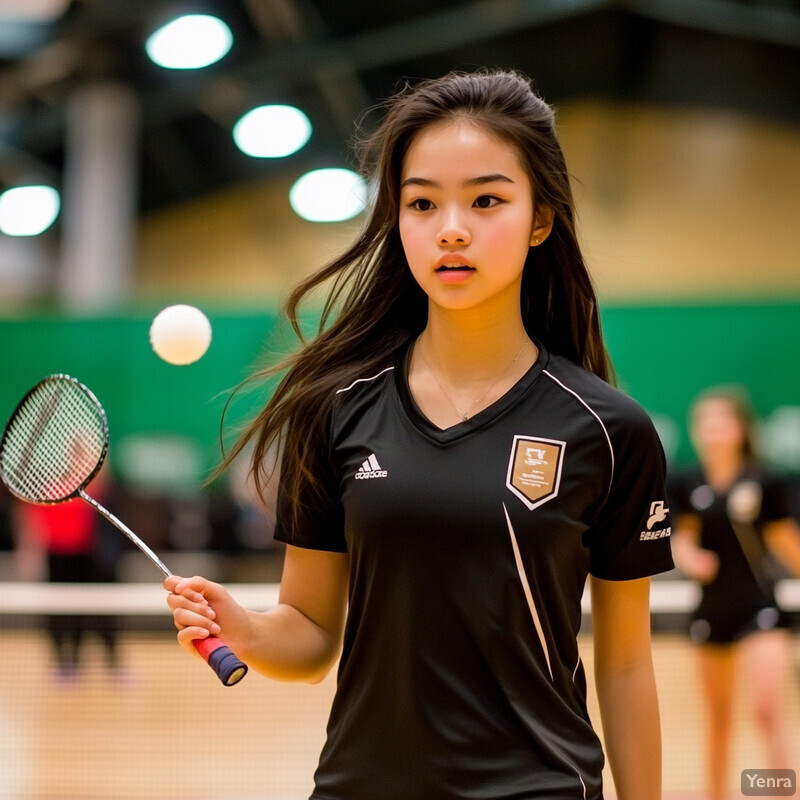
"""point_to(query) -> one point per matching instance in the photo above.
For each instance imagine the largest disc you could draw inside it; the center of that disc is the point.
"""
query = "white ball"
(180, 334)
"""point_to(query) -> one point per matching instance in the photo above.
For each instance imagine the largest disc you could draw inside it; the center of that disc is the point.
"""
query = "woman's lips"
(454, 273)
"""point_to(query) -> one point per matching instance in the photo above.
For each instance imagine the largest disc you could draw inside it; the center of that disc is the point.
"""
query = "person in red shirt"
(67, 538)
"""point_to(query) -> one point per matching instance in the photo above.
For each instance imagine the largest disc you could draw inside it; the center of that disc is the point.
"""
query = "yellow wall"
(678, 203)
(672, 204)
(244, 244)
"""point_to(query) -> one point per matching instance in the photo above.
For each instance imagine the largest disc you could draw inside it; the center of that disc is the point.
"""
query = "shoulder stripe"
(595, 415)
(363, 380)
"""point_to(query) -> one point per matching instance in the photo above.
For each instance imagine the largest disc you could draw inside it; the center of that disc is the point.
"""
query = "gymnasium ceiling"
(336, 58)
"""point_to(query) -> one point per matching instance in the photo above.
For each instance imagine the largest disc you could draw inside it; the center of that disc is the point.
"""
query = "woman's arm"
(783, 540)
(692, 560)
(298, 640)
(626, 687)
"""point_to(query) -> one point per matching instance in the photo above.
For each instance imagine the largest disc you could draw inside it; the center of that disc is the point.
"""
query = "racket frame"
(58, 376)
(79, 491)
(216, 653)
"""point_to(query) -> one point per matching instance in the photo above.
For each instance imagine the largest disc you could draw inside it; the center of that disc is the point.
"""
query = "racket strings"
(54, 443)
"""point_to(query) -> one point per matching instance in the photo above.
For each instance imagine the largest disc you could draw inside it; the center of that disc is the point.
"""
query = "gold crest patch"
(534, 469)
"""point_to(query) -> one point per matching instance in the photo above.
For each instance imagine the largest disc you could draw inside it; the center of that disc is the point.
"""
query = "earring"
(536, 241)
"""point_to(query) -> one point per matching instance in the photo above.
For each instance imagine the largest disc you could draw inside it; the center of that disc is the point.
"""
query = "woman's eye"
(421, 204)
(486, 201)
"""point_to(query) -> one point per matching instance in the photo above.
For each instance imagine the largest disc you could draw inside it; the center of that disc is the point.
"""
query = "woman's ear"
(542, 225)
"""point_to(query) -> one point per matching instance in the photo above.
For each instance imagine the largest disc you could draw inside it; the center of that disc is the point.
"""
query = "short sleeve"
(319, 523)
(630, 535)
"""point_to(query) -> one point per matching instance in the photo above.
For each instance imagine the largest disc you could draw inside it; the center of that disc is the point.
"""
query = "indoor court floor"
(166, 729)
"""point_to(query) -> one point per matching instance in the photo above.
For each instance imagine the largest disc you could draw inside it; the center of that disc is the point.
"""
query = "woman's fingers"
(200, 608)
(192, 614)
(193, 621)
(195, 588)
(196, 603)
(186, 636)
(189, 617)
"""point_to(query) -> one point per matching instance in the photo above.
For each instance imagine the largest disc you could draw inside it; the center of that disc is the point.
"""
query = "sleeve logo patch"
(658, 513)
(534, 469)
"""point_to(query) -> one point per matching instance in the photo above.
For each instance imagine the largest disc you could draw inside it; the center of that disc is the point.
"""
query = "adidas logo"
(370, 469)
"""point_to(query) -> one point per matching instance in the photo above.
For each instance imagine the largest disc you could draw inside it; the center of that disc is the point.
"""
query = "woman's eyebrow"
(481, 179)
(477, 181)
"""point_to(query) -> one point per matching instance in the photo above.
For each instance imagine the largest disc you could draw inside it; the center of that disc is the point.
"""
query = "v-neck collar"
(484, 417)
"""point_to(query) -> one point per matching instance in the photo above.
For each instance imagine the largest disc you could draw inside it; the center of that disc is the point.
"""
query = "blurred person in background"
(70, 543)
(732, 533)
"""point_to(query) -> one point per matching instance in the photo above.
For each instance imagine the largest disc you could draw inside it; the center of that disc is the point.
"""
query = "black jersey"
(741, 597)
(469, 550)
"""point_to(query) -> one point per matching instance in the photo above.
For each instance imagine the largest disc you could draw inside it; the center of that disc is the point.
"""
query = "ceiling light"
(328, 195)
(192, 41)
(28, 210)
(273, 131)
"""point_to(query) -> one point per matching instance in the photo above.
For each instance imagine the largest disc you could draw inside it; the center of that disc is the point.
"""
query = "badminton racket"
(53, 446)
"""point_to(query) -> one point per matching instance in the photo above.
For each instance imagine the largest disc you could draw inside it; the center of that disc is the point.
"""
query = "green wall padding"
(663, 356)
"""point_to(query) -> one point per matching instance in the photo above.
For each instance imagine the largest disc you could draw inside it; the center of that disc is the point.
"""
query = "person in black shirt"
(455, 464)
(731, 520)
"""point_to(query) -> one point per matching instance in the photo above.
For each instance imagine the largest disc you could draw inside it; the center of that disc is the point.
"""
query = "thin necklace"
(466, 414)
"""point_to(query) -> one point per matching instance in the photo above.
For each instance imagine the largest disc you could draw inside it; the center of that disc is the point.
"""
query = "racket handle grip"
(230, 670)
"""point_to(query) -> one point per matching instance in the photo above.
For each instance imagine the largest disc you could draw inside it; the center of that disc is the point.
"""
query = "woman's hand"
(693, 561)
(202, 608)
(297, 640)
(783, 540)
(702, 565)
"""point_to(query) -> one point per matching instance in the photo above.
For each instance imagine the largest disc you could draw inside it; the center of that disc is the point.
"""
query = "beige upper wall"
(677, 204)
(245, 244)
(672, 205)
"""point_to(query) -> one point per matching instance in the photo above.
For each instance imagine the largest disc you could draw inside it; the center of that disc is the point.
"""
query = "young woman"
(454, 465)
(730, 516)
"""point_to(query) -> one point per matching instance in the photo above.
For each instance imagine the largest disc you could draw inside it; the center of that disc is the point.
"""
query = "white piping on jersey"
(575, 671)
(595, 415)
(526, 588)
(362, 380)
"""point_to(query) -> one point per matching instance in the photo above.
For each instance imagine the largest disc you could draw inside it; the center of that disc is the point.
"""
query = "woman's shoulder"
(363, 386)
(366, 379)
(765, 474)
(612, 406)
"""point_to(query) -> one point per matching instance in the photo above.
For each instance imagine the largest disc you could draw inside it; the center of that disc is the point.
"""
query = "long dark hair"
(374, 307)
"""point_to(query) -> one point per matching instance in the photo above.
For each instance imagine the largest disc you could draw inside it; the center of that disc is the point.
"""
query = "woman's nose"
(454, 229)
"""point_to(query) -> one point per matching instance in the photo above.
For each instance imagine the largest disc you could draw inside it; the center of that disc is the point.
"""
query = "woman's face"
(717, 429)
(466, 216)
